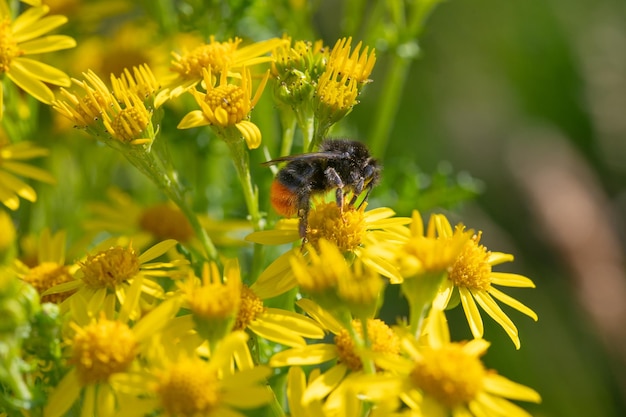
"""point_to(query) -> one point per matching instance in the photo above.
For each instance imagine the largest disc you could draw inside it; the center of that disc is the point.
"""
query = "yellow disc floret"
(472, 268)
(101, 349)
(110, 267)
(46, 275)
(449, 374)
(251, 306)
(8, 46)
(381, 340)
(344, 227)
(189, 388)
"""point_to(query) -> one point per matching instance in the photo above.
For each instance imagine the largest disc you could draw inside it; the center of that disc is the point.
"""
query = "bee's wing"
(305, 157)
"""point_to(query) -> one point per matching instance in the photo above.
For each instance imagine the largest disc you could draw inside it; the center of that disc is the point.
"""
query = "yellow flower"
(145, 224)
(355, 231)
(11, 187)
(23, 36)
(227, 105)
(181, 385)
(471, 278)
(214, 57)
(380, 339)
(121, 273)
(444, 378)
(120, 116)
(218, 308)
(102, 351)
(50, 269)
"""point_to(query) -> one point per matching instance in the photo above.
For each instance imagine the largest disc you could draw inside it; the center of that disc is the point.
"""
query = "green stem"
(165, 179)
(420, 291)
(288, 121)
(392, 90)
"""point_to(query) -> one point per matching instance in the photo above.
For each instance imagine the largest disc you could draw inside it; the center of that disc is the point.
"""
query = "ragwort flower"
(24, 36)
(103, 350)
(355, 231)
(121, 273)
(471, 278)
(440, 377)
(214, 57)
(50, 269)
(227, 105)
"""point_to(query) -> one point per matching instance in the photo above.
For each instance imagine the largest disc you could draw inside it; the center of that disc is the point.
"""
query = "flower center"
(215, 300)
(189, 388)
(215, 55)
(337, 93)
(110, 268)
(47, 275)
(251, 306)
(228, 104)
(449, 374)
(8, 46)
(471, 268)
(382, 340)
(166, 222)
(346, 228)
(101, 349)
(130, 122)
(89, 108)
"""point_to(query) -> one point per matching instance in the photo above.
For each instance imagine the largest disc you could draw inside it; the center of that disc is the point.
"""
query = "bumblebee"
(342, 165)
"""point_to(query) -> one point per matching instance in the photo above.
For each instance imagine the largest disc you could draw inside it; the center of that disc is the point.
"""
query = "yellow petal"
(471, 312)
(29, 82)
(41, 27)
(511, 280)
(324, 384)
(23, 150)
(306, 355)
(8, 198)
(18, 186)
(48, 44)
(157, 250)
(295, 322)
(512, 302)
(499, 385)
(64, 395)
(251, 133)
(194, 118)
(27, 19)
(495, 312)
(28, 171)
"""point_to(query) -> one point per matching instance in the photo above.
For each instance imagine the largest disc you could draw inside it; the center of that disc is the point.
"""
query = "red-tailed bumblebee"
(340, 164)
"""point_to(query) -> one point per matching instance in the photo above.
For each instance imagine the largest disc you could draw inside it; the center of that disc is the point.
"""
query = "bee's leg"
(335, 180)
(358, 189)
(303, 213)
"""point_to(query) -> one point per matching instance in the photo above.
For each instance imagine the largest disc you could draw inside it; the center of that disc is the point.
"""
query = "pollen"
(110, 267)
(381, 340)
(471, 268)
(228, 103)
(214, 55)
(251, 306)
(8, 46)
(189, 388)
(166, 222)
(102, 349)
(344, 227)
(46, 275)
(449, 374)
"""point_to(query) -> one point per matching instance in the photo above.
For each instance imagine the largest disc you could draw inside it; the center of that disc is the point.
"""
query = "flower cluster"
(166, 294)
